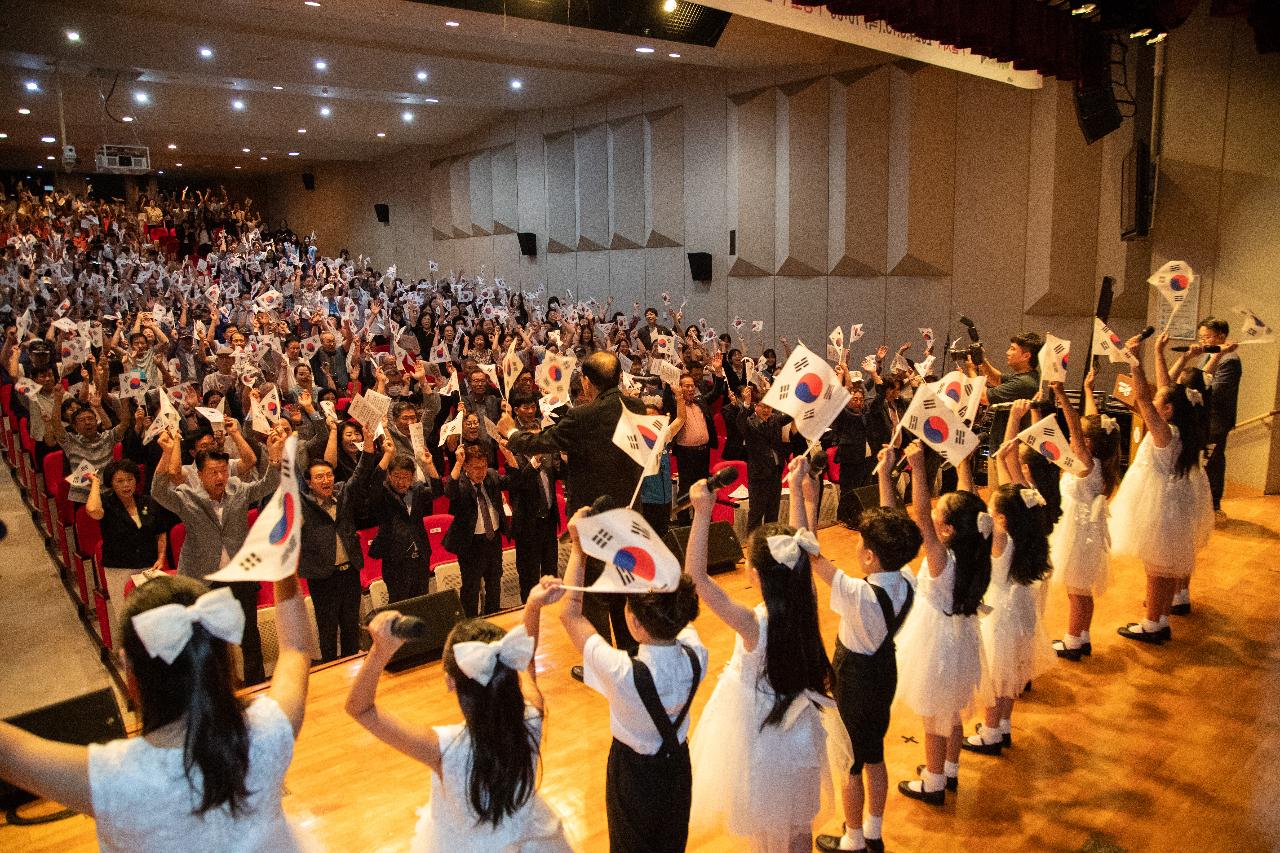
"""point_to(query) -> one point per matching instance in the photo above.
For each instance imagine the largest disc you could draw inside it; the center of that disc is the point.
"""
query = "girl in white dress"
(758, 751)
(1080, 544)
(940, 657)
(206, 774)
(486, 798)
(1163, 512)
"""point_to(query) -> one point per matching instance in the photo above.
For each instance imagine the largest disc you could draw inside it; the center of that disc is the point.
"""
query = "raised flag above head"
(450, 387)
(665, 346)
(836, 338)
(1253, 330)
(1046, 438)
(974, 388)
(453, 427)
(1107, 342)
(938, 426)
(642, 437)
(271, 406)
(270, 551)
(634, 556)
(1172, 281)
(512, 367)
(950, 390)
(552, 376)
(1053, 359)
(855, 333)
(757, 326)
(133, 384)
(311, 346)
(166, 418)
(492, 372)
(809, 391)
(440, 354)
(270, 301)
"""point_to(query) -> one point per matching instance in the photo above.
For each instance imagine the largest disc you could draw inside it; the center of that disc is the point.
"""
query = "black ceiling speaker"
(309, 181)
(383, 213)
(528, 243)
(1096, 107)
(700, 266)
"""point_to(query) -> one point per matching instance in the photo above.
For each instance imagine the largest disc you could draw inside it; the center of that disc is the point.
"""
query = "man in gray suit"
(1222, 377)
(215, 514)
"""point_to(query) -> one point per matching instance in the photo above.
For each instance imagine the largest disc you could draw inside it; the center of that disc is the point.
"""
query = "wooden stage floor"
(1135, 749)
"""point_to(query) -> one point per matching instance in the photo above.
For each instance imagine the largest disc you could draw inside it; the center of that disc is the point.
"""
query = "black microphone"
(404, 627)
(1146, 333)
(604, 503)
(719, 480)
(1210, 348)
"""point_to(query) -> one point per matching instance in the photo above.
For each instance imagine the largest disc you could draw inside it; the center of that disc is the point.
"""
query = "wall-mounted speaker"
(700, 266)
(528, 243)
(309, 181)
(383, 212)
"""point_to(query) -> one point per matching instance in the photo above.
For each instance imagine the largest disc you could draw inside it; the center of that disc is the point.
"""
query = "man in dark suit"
(474, 491)
(1222, 376)
(850, 435)
(400, 504)
(651, 328)
(330, 559)
(535, 515)
(596, 467)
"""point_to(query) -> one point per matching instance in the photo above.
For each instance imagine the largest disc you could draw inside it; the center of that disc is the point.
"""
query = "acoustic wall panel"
(627, 190)
(503, 178)
(591, 177)
(921, 169)
(480, 186)
(753, 177)
(561, 190)
(799, 308)
(802, 178)
(460, 197)
(664, 173)
(591, 277)
(441, 201)
(859, 194)
(857, 300)
(626, 280)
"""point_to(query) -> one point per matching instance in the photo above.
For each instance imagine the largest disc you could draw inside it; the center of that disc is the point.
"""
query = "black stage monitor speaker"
(723, 549)
(528, 243)
(91, 718)
(441, 611)
(383, 213)
(309, 181)
(700, 266)
(1096, 108)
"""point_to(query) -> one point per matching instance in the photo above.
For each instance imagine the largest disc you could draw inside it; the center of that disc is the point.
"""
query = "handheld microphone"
(1146, 333)
(719, 480)
(1209, 349)
(404, 627)
(604, 503)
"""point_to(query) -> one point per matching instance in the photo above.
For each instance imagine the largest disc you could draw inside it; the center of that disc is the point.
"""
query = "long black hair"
(795, 658)
(198, 686)
(504, 748)
(971, 548)
(1189, 418)
(665, 614)
(1028, 534)
(1105, 447)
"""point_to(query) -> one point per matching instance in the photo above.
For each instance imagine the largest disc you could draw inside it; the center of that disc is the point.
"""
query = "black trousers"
(865, 685)
(854, 474)
(406, 580)
(251, 643)
(694, 464)
(537, 554)
(647, 800)
(658, 516)
(1215, 467)
(764, 496)
(337, 603)
(607, 611)
(481, 562)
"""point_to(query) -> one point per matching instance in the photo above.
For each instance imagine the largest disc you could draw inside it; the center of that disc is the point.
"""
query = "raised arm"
(1159, 428)
(935, 550)
(1162, 366)
(1073, 419)
(577, 626)
(739, 618)
(293, 666)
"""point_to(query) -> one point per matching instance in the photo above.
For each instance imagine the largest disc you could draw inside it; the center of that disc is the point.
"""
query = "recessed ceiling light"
(206, 53)
(407, 116)
(311, 3)
(668, 6)
(278, 88)
(238, 166)
(39, 167)
(177, 164)
(126, 119)
(245, 150)
(294, 153)
(422, 76)
(47, 139)
(31, 86)
(674, 55)
(172, 146)
(4, 136)
(452, 24)
(262, 158)
(644, 50)
(432, 100)
(381, 135)
(237, 104)
(302, 130)
(326, 112)
(142, 97)
(50, 157)
(516, 84)
(161, 172)
(321, 65)
(23, 111)
(73, 36)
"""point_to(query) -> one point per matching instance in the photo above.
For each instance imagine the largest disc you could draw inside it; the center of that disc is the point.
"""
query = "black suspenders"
(669, 729)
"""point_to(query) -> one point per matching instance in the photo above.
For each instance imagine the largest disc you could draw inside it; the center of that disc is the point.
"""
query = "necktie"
(485, 512)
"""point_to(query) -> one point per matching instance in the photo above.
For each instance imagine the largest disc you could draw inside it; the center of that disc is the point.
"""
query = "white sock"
(989, 736)
(852, 839)
(1164, 621)
(871, 826)
(1149, 627)
(1070, 642)
(1084, 638)
(1183, 596)
(950, 768)
(1005, 728)
(931, 782)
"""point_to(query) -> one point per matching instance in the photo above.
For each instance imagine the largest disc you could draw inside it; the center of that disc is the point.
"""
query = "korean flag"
(1047, 439)
(809, 391)
(938, 426)
(635, 559)
(270, 551)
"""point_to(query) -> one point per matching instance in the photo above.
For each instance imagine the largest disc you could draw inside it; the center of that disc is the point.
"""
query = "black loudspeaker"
(866, 497)
(700, 266)
(1096, 108)
(383, 213)
(723, 548)
(528, 243)
(309, 181)
(441, 611)
(91, 718)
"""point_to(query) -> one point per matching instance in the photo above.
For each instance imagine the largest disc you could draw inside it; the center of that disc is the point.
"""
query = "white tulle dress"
(940, 656)
(1081, 541)
(1014, 641)
(755, 782)
(447, 823)
(1159, 517)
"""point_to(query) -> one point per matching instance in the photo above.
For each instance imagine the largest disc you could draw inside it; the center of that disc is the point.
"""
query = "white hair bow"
(478, 660)
(786, 549)
(1108, 424)
(1032, 497)
(1194, 397)
(986, 524)
(166, 630)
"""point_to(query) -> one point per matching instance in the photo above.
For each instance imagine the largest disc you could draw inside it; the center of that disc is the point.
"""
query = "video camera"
(974, 350)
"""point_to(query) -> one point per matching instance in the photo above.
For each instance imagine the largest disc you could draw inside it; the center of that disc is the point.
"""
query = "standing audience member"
(474, 491)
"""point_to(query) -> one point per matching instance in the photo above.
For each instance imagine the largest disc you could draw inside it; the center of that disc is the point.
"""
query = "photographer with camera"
(1021, 357)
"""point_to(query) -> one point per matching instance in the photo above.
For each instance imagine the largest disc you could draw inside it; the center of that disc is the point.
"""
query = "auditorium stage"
(1136, 749)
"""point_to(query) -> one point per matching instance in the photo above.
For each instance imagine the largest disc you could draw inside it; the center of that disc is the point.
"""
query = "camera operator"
(1024, 380)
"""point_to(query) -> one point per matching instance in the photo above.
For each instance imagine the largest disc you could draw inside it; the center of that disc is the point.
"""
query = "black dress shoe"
(831, 844)
(1181, 609)
(875, 845)
(1133, 631)
(953, 782)
(576, 673)
(1067, 654)
(982, 748)
(1087, 650)
(933, 798)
